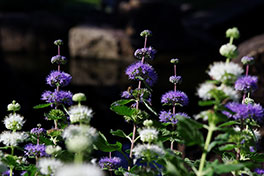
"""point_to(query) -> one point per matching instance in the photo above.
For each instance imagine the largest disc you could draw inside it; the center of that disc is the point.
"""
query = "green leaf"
(206, 103)
(149, 108)
(257, 157)
(227, 147)
(229, 123)
(123, 110)
(103, 145)
(226, 168)
(119, 133)
(189, 131)
(42, 106)
(122, 102)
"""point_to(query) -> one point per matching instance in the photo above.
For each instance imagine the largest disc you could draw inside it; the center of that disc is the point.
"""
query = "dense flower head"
(204, 91)
(147, 53)
(232, 32)
(37, 131)
(79, 170)
(175, 79)
(143, 150)
(58, 59)
(246, 83)
(78, 97)
(169, 117)
(228, 50)
(148, 134)
(14, 106)
(57, 97)
(109, 163)
(259, 171)
(80, 114)
(145, 71)
(225, 72)
(146, 33)
(244, 111)
(12, 138)
(58, 42)
(37, 150)
(48, 166)
(175, 98)
(247, 60)
(58, 78)
(14, 121)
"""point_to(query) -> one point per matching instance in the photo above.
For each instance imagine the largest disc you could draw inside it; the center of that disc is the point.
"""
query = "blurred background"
(100, 37)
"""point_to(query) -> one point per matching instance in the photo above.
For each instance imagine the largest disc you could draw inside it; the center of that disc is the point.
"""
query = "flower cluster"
(246, 84)
(109, 163)
(37, 150)
(147, 53)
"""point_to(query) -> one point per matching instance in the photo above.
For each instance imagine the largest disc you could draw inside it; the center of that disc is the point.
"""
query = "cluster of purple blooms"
(58, 79)
(109, 163)
(259, 171)
(175, 98)
(139, 70)
(246, 84)
(37, 150)
(167, 116)
(244, 111)
(147, 53)
(37, 131)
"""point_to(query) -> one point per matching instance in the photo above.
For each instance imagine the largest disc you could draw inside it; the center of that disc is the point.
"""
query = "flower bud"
(228, 50)
(58, 59)
(175, 79)
(146, 33)
(78, 97)
(148, 123)
(246, 60)
(232, 32)
(248, 101)
(174, 61)
(13, 106)
(58, 42)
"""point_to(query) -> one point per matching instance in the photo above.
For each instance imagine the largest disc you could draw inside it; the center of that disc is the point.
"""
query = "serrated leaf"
(42, 106)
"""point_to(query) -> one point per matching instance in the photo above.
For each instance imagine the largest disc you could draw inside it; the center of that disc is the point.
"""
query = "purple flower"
(244, 111)
(259, 171)
(138, 71)
(246, 83)
(37, 150)
(168, 117)
(175, 79)
(58, 59)
(147, 53)
(37, 131)
(7, 173)
(126, 94)
(64, 97)
(252, 149)
(109, 163)
(57, 78)
(247, 60)
(174, 98)
(23, 173)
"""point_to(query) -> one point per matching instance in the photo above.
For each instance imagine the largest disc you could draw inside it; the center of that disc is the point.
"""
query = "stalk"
(207, 142)
(137, 107)
(173, 108)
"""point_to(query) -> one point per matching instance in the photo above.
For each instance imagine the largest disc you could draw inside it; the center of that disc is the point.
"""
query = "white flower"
(230, 92)
(228, 50)
(145, 149)
(79, 170)
(12, 138)
(148, 134)
(80, 114)
(51, 149)
(14, 122)
(225, 72)
(203, 90)
(48, 166)
(75, 130)
(202, 115)
(78, 143)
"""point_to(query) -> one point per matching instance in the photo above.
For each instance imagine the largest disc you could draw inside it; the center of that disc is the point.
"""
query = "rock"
(98, 55)
(101, 43)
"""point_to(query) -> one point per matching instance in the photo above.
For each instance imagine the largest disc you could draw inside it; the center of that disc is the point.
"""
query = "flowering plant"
(68, 148)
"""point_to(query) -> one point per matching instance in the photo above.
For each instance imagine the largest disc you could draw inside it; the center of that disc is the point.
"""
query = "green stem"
(11, 171)
(207, 142)
(231, 40)
(78, 158)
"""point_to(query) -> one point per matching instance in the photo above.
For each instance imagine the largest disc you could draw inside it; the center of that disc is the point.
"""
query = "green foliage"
(40, 106)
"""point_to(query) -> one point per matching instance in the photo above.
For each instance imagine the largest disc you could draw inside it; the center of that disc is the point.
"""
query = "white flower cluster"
(12, 138)
(50, 149)
(80, 114)
(228, 50)
(79, 170)
(48, 166)
(79, 138)
(225, 72)
(148, 134)
(14, 121)
(204, 91)
(144, 150)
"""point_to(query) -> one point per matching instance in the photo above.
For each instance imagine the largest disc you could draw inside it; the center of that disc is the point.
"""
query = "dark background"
(190, 30)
